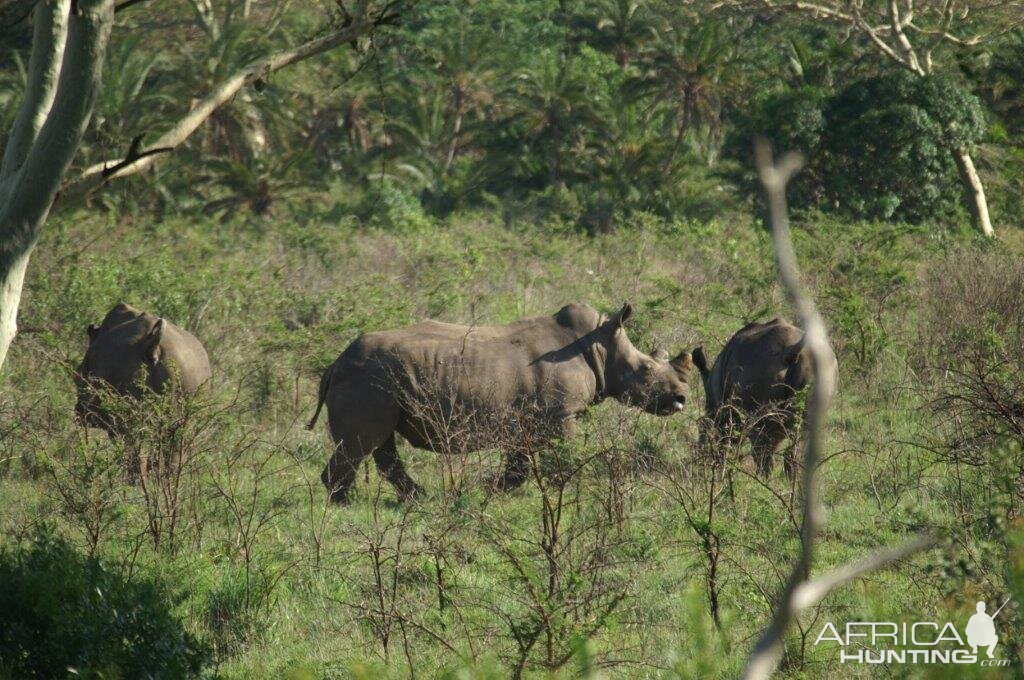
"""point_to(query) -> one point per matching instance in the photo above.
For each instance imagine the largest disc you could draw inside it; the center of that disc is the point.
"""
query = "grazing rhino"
(752, 387)
(127, 342)
(414, 380)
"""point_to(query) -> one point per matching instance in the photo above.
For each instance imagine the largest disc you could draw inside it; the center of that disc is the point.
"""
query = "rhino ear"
(622, 316)
(151, 343)
(91, 330)
(682, 363)
(701, 362)
(793, 353)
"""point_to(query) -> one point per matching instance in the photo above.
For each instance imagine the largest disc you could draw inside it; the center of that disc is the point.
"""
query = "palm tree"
(619, 27)
(554, 107)
(465, 64)
(686, 71)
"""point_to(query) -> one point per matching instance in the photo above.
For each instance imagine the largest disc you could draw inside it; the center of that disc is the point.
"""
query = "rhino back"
(188, 355)
(113, 352)
(533, 360)
(751, 368)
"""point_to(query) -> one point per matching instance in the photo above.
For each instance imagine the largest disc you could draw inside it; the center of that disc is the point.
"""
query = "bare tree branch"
(99, 174)
(811, 592)
(901, 39)
(800, 591)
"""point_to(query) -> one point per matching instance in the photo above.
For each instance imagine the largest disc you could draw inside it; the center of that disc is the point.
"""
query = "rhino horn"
(682, 363)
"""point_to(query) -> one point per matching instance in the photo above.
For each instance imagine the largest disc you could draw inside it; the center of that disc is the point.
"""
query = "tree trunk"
(975, 191)
(12, 277)
(69, 39)
(55, 112)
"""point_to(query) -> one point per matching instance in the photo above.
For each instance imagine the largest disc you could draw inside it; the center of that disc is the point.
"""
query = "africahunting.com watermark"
(919, 642)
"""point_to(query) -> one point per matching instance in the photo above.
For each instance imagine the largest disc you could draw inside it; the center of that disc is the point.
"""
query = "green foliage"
(445, 169)
(388, 206)
(572, 112)
(878, 149)
(891, 164)
(792, 120)
(61, 612)
(888, 150)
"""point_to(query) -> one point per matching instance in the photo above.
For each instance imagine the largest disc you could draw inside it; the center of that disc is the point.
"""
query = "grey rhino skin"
(412, 380)
(127, 342)
(752, 386)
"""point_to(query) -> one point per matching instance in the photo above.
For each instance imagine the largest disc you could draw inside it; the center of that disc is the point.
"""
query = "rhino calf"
(752, 385)
(128, 342)
(415, 381)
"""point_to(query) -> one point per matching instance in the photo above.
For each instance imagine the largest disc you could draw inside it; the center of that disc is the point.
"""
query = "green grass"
(288, 589)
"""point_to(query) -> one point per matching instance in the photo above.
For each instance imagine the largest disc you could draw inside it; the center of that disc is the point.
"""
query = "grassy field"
(261, 578)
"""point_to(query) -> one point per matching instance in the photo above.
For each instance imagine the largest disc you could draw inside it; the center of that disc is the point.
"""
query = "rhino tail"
(325, 384)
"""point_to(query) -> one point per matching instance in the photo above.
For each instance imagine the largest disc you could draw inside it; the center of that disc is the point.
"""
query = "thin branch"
(99, 174)
(799, 591)
(125, 4)
(134, 154)
(811, 592)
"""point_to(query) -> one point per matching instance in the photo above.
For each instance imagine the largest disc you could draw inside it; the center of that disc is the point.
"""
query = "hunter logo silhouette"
(981, 630)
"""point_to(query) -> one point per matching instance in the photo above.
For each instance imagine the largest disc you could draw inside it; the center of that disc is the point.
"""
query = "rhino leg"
(391, 467)
(764, 443)
(517, 468)
(341, 470)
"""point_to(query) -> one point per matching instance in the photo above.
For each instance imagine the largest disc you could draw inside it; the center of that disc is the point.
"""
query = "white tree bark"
(48, 36)
(975, 191)
(69, 42)
(50, 124)
(10, 295)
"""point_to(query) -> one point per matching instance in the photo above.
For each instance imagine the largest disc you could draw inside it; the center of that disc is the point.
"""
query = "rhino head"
(654, 382)
(122, 357)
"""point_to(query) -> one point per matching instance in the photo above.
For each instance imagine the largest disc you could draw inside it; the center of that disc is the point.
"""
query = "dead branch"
(800, 591)
(98, 175)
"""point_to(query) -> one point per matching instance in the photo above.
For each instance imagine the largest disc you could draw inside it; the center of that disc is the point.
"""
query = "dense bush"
(588, 111)
(61, 612)
(973, 357)
(793, 120)
(890, 163)
(887, 149)
(877, 149)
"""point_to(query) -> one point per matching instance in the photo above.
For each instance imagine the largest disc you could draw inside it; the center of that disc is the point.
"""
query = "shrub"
(888, 145)
(889, 164)
(878, 149)
(61, 611)
(973, 356)
(794, 120)
(388, 206)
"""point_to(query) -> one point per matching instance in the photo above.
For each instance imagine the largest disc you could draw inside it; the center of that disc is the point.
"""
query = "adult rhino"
(413, 381)
(128, 343)
(752, 386)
